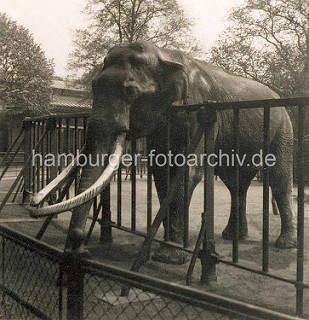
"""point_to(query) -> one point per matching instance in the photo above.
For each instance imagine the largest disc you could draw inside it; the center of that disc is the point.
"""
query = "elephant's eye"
(131, 91)
(134, 61)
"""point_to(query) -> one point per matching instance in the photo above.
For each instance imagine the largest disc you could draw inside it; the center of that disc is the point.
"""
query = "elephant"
(131, 97)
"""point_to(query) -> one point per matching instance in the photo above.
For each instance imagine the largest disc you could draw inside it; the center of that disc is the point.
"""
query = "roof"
(66, 96)
(70, 101)
(59, 83)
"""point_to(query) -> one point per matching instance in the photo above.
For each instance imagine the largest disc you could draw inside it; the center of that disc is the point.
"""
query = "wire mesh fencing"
(38, 281)
(29, 282)
(103, 300)
(32, 287)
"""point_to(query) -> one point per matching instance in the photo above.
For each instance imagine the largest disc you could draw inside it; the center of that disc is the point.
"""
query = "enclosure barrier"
(39, 134)
(209, 258)
(207, 253)
(32, 287)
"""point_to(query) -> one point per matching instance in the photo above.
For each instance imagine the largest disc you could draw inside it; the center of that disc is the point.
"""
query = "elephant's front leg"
(174, 228)
(78, 221)
(174, 225)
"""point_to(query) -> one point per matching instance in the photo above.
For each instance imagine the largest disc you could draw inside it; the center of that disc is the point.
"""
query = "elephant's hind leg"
(245, 180)
(167, 254)
(281, 184)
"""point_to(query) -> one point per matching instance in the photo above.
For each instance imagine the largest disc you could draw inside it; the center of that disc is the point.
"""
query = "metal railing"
(39, 130)
(205, 244)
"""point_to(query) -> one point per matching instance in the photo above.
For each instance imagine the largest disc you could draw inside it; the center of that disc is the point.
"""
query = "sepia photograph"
(154, 159)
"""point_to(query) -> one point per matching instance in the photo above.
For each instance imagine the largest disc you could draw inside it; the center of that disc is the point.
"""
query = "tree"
(25, 73)
(120, 21)
(269, 42)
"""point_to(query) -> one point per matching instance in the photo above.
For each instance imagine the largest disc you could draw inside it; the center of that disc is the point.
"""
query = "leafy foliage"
(269, 42)
(25, 73)
(120, 21)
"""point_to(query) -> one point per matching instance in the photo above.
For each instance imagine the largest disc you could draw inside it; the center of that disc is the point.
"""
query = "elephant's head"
(130, 95)
(135, 87)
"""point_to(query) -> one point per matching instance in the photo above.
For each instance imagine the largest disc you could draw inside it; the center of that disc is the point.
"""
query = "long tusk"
(56, 183)
(91, 192)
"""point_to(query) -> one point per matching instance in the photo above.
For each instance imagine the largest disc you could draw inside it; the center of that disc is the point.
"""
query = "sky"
(52, 22)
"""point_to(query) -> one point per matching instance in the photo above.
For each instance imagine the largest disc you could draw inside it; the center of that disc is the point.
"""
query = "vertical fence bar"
(48, 150)
(85, 130)
(60, 142)
(186, 191)
(3, 269)
(60, 292)
(119, 191)
(52, 126)
(38, 164)
(149, 189)
(43, 155)
(106, 229)
(76, 146)
(33, 166)
(266, 191)
(75, 288)
(133, 186)
(168, 181)
(27, 151)
(208, 119)
(94, 207)
(67, 135)
(67, 144)
(300, 211)
(236, 168)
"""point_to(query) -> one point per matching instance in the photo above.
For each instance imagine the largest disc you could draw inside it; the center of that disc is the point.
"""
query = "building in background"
(66, 99)
(69, 98)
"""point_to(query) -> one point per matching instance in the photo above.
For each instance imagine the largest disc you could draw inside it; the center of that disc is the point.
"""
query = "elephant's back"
(251, 129)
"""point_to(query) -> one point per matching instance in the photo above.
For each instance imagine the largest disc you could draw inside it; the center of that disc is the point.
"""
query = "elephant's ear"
(169, 62)
(174, 78)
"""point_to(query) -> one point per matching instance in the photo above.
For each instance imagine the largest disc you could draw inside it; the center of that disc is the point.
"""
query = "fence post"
(27, 150)
(75, 276)
(208, 118)
(53, 171)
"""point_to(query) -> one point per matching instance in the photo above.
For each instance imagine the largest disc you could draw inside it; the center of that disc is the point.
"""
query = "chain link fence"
(29, 281)
(38, 281)
(103, 300)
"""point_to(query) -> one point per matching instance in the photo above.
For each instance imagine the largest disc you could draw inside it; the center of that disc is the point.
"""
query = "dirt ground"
(231, 282)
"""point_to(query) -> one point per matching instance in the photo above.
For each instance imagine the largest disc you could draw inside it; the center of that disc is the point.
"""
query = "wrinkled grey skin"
(132, 93)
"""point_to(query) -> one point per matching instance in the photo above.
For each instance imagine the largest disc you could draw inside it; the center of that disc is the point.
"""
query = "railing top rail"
(217, 105)
(57, 117)
(245, 104)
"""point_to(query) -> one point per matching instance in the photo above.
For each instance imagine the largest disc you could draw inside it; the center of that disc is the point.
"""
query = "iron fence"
(41, 135)
(204, 248)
